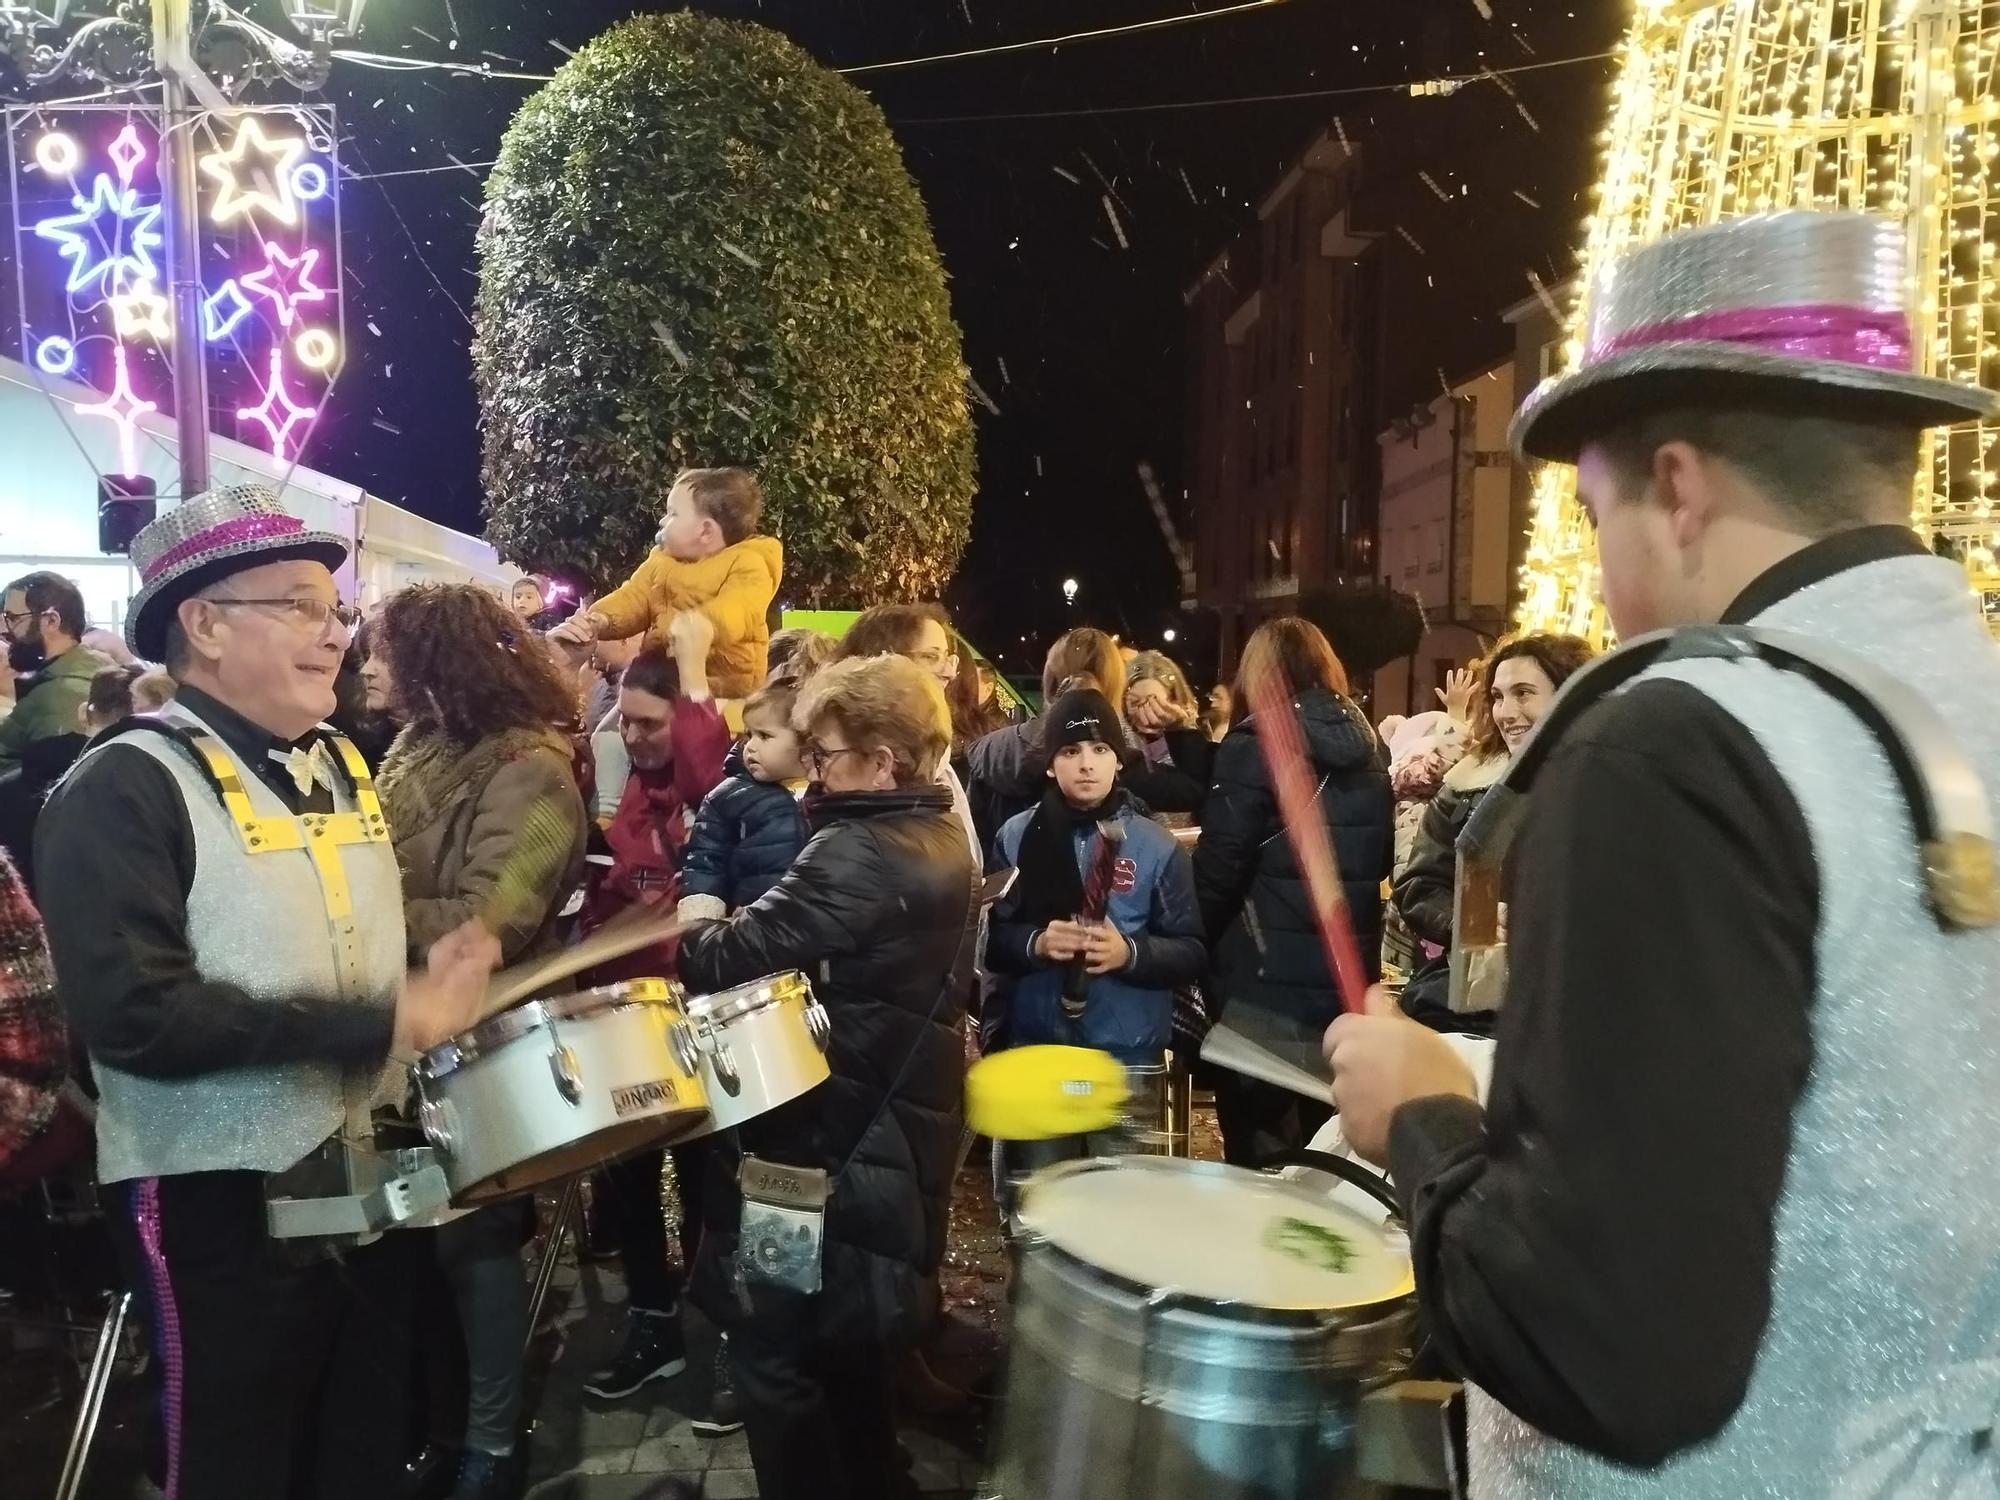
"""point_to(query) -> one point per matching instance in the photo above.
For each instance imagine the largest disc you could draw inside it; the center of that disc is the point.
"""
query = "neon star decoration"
(277, 413)
(126, 250)
(142, 311)
(286, 280)
(124, 410)
(271, 187)
(126, 153)
(224, 308)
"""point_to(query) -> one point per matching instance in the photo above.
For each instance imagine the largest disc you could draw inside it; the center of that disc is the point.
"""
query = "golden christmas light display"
(1729, 107)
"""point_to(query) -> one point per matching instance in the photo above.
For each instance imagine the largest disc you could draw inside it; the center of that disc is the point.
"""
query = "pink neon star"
(277, 399)
(123, 409)
(287, 290)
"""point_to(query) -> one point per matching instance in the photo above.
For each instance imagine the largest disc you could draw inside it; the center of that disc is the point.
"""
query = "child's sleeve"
(628, 609)
(701, 744)
(1172, 950)
(1009, 940)
(743, 599)
(705, 861)
(612, 768)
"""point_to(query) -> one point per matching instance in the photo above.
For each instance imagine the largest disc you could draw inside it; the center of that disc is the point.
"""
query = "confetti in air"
(740, 253)
(1116, 227)
(1485, 9)
(1340, 130)
(1526, 199)
(665, 337)
(1005, 378)
(1409, 239)
(1431, 183)
(980, 391)
(1533, 123)
(1067, 175)
(1542, 292)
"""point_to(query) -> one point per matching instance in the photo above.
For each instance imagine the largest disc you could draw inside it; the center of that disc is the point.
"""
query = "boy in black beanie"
(1102, 923)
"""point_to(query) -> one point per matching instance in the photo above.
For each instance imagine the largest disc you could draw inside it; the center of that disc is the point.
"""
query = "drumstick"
(635, 928)
(1230, 1049)
(1298, 808)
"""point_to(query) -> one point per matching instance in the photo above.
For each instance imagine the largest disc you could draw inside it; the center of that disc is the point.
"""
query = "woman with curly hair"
(488, 823)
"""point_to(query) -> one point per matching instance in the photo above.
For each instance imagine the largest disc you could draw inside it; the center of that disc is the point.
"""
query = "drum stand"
(84, 1435)
(545, 1272)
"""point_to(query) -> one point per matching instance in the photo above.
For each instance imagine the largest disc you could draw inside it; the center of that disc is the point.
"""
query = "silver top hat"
(207, 538)
(1785, 300)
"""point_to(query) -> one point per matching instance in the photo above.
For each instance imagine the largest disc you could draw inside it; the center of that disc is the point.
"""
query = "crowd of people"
(255, 920)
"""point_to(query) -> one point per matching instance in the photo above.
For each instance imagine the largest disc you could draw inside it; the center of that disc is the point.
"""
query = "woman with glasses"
(877, 911)
(488, 824)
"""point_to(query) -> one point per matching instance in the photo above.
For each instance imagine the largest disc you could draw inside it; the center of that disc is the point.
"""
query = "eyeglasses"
(16, 621)
(933, 661)
(818, 757)
(313, 612)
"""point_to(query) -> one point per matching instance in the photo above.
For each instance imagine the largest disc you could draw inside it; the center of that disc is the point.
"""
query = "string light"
(77, 234)
(124, 410)
(280, 159)
(277, 413)
(1746, 106)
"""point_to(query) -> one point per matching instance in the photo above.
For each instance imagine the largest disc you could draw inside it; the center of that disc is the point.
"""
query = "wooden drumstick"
(628, 932)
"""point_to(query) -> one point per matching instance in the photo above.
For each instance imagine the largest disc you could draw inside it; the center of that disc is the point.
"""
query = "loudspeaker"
(125, 507)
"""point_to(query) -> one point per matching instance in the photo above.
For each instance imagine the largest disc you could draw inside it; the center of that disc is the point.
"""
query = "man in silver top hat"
(1726, 1226)
(226, 916)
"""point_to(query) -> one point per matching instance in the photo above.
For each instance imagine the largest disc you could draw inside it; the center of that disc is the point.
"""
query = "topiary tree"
(701, 247)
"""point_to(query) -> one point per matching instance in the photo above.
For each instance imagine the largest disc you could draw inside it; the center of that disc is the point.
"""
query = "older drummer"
(823, 1230)
(1727, 1226)
(227, 925)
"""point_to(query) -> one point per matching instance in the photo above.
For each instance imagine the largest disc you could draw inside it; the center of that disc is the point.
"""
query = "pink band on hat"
(224, 534)
(1831, 331)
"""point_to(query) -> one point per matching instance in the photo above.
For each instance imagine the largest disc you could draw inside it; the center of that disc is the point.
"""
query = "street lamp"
(1170, 635)
(1069, 591)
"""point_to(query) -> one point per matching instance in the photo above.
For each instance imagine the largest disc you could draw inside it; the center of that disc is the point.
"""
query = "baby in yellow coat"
(710, 558)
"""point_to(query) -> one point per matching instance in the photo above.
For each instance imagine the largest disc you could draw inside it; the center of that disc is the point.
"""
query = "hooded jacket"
(734, 588)
(1269, 971)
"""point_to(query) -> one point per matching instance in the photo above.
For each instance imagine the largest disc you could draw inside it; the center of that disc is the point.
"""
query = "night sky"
(1076, 338)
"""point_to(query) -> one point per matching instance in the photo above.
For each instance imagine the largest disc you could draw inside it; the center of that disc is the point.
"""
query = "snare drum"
(1190, 1331)
(557, 1086)
(761, 1045)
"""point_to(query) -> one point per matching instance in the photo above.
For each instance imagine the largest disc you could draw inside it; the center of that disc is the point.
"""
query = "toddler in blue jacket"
(750, 828)
(1090, 850)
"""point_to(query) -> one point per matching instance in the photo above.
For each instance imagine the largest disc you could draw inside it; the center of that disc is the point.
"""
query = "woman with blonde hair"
(1269, 975)
(876, 909)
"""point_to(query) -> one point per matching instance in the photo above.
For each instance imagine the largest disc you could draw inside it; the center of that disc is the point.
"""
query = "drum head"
(725, 1006)
(1221, 1234)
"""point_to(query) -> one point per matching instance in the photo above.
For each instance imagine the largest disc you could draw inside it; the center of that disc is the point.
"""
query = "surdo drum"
(1191, 1331)
(558, 1086)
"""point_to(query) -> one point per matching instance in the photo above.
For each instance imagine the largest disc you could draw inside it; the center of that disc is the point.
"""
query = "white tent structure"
(50, 458)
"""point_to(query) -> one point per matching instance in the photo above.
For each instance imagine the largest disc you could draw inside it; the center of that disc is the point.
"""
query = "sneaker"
(432, 1474)
(725, 1412)
(491, 1476)
(653, 1350)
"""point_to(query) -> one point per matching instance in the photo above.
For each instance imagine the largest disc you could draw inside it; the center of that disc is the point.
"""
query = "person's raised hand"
(692, 634)
(450, 994)
(1459, 689)
(1381, 1061)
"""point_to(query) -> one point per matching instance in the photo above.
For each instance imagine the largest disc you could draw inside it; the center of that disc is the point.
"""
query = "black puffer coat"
(1269, 970)
(746, 835)
(878, 911)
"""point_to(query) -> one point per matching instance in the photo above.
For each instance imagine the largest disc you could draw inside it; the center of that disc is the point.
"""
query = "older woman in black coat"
(1268, 971)
(878, 911)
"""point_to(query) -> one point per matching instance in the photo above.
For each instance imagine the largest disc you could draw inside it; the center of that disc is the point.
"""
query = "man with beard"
(44, 625)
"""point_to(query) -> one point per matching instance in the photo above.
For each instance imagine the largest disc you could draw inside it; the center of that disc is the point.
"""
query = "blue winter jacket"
(745, 837)
(1128, 1014)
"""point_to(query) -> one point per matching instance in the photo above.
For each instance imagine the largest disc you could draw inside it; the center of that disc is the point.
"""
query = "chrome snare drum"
(559, 1085)
(762, 1044)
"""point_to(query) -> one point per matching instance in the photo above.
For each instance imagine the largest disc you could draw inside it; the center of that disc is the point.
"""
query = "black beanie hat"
(1079, 717)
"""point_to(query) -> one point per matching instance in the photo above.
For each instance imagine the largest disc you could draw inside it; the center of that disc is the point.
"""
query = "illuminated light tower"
(1731, 107)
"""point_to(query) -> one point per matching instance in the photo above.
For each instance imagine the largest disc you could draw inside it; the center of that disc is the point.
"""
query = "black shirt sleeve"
(114, 860)
(1595, 1251)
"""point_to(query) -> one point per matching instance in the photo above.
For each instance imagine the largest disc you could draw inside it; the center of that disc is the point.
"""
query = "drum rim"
(535, 1015)
(724, 1006)
(1167, 1301)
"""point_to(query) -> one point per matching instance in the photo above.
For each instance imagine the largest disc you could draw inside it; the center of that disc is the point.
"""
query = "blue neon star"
(125, 256)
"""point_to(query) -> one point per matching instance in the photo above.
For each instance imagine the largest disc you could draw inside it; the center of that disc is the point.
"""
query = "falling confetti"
(1542, 292)
(1067, 175)
(1005, 378)
(664, 336)
(1526, 199)
(387, 427)
(1410, 239)
(740, 253)
(1485, 9)
(1116, 227)
(1340, 130)
(1431, 183)
(468, 170)
(1533, 124)
(565, 51)
(1192, 198)
(980, 391)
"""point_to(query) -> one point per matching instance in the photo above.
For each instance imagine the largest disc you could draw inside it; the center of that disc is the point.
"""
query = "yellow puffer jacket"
(734, 588)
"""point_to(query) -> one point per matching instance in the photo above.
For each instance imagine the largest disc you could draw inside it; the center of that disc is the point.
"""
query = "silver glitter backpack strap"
(1945, 796)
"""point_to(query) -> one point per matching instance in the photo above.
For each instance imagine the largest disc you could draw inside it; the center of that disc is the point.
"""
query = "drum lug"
(819, 1025)
(680, 1036)
(434, 1116)
(568, 1074)
(725, 1069)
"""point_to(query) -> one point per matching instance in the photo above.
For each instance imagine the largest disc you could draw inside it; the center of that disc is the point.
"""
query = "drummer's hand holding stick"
(448, 996)
(1383, 1060)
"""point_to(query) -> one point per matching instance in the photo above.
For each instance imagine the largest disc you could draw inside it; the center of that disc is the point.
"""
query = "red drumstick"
(1298, 807)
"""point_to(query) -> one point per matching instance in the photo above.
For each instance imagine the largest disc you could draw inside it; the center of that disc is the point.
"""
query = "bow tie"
(306, 767)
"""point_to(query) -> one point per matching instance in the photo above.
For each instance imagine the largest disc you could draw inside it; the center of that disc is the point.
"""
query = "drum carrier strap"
(1945, 796)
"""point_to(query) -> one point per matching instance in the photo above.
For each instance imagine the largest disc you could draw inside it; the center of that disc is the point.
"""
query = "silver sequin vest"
(1880, 1366)
(315, 907)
